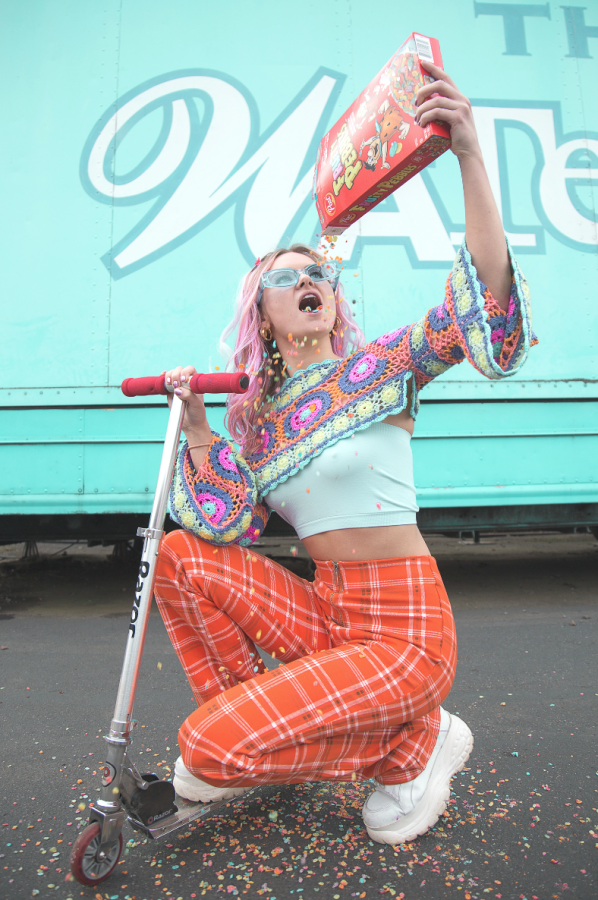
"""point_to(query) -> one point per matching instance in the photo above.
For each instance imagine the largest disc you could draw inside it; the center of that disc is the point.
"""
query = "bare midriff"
(386, 542)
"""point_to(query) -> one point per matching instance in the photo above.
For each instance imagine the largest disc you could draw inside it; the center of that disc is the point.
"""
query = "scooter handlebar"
(219, 383)
(214, 383)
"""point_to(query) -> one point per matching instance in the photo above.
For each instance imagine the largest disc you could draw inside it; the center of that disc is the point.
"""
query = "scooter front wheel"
(89, 864)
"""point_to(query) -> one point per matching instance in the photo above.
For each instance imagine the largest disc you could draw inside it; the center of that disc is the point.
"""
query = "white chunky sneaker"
(395, 813)
(189, 787)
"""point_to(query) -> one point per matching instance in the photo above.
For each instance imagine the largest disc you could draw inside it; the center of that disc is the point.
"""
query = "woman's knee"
(206, 739)
(182, 543)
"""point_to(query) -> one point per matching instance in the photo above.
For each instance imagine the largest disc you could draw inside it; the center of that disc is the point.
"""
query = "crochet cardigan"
(223, 502)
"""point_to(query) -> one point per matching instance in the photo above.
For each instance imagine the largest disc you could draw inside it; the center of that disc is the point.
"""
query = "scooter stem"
(108, 809)
(125, 700)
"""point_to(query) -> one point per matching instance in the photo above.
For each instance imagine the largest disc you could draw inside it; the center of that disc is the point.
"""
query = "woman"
(369, 647)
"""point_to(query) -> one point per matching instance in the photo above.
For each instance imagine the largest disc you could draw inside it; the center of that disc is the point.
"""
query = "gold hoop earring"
(336, 326)
(266, 333)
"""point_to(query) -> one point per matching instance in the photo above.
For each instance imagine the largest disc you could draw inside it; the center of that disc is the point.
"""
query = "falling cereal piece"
(294, 551)
(159, 665)
(281, 649)
(258, 635)
(379, 506)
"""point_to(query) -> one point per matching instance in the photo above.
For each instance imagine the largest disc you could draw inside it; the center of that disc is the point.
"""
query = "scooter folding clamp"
(152, 534)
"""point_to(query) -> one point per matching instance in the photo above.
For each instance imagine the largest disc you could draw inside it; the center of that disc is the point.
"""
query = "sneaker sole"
(205, 793)
(455, 752)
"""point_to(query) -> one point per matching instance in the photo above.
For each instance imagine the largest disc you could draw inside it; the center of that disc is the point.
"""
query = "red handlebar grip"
(216, 383)
(141, 387)
(219, 383)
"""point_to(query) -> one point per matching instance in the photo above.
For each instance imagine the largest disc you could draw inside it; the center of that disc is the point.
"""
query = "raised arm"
(484, 232)
(468, 325)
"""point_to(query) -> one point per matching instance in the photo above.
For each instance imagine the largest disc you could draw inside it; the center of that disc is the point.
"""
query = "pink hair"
(253, 354)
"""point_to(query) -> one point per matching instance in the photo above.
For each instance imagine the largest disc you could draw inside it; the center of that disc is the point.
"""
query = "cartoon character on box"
(390, 125)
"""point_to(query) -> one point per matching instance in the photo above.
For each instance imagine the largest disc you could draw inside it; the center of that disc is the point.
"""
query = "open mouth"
(310, 303)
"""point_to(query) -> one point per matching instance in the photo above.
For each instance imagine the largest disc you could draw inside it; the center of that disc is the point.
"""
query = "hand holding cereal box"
(376, 144)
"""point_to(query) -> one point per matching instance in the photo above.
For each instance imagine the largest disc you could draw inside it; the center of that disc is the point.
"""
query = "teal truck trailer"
(152, 152)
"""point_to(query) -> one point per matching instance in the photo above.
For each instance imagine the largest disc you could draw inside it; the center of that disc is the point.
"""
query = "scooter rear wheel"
(88, 865)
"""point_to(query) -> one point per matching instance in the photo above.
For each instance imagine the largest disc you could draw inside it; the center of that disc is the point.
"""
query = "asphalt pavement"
(521, 824)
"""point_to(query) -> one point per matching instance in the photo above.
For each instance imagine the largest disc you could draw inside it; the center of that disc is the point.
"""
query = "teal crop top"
(359, 482)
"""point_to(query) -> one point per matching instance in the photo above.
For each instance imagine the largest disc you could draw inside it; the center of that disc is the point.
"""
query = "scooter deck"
(187, 812)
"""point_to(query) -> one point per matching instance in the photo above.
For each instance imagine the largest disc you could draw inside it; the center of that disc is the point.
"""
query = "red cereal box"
(376, 146)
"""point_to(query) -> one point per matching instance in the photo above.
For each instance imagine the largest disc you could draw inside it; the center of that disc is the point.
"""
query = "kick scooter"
(144, 799)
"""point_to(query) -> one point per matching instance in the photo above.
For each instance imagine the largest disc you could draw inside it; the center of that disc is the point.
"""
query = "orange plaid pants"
(369, 651)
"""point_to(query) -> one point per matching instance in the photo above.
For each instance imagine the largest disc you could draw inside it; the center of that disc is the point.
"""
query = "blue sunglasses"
(284, 278)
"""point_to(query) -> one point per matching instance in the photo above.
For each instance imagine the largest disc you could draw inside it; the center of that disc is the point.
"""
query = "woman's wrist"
(198, 450)
(471, 155)
(199, 436)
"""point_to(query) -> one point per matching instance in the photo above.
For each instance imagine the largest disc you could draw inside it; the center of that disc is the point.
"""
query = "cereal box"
(376, 146)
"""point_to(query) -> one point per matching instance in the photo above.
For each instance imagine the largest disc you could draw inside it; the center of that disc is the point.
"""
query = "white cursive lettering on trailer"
(201, 164)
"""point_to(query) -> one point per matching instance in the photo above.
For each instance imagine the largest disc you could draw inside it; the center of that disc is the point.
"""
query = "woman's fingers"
(442, 86)
(442, 101)
(187, 372)
(180, 375)
(195, 413)
(441, 89)
(455, 115)
(436, 103)
(450, 117)
(172, 375)
(436, 72)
